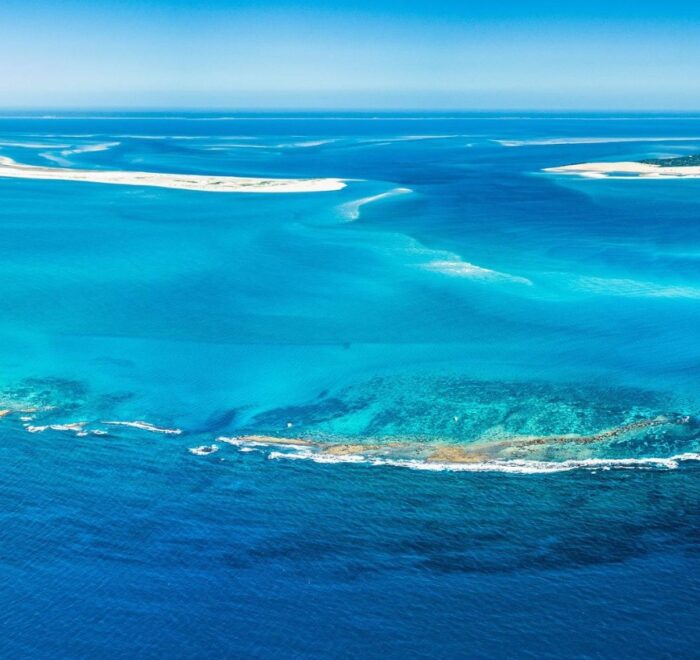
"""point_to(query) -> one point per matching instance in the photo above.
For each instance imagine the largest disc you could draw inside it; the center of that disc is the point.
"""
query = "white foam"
(89, 148)
(34, 145)
(61, 157)
(145, 426)
(590, 140)
(405, 138)
(204, 450)
(234, 145)
(305, 454)
(306, 144)
(351, 210)
(269, 442)
(459, 268)
(503, 466)
(236, 442)
(634, 288)
(52, 157)
(75, 427)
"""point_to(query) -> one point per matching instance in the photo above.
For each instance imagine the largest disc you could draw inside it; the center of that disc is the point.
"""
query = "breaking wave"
(351, 210)
(505, 466)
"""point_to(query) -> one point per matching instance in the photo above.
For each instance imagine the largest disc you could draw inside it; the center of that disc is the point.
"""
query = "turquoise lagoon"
(451, 300)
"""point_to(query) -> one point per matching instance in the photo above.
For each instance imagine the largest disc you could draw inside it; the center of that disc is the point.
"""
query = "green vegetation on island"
(680, 161)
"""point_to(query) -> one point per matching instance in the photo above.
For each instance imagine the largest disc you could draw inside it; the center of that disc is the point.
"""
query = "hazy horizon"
(358, 55)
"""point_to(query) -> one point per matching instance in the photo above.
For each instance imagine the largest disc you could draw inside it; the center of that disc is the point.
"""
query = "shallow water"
(451, 296)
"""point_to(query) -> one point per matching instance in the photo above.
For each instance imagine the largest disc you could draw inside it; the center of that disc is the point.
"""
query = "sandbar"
(627, 169)
(201, 182)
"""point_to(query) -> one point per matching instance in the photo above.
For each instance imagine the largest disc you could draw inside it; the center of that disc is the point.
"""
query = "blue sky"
(350, 54)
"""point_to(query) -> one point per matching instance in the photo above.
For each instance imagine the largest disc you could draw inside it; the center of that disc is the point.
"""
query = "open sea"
(484, 380)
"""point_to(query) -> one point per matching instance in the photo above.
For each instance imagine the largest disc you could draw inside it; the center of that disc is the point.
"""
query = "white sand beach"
(627, 169)
(208, 183)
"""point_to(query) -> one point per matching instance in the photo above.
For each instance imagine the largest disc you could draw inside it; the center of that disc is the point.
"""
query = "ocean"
(451, 410)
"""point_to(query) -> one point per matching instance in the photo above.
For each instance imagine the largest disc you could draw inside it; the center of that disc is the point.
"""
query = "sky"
(350, 54)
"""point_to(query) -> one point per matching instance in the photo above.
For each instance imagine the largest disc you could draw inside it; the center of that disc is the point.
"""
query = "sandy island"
(628, 169)
(208, 183)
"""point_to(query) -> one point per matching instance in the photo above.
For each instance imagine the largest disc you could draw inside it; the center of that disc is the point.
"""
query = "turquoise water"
(452, 298)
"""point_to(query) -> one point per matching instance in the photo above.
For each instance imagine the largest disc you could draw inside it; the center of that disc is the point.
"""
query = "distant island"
(681, 167)
(678, 161)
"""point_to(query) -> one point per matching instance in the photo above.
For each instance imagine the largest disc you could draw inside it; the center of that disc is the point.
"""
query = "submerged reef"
(409, 421)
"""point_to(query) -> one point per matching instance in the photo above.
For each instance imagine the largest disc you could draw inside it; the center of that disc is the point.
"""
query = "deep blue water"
(451, 297)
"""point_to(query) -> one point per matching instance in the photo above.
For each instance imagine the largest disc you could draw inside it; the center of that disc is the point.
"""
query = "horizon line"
(149, 109)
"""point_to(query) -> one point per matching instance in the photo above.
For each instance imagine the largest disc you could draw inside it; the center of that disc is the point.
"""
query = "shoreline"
(200, 182)
(626, 170)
